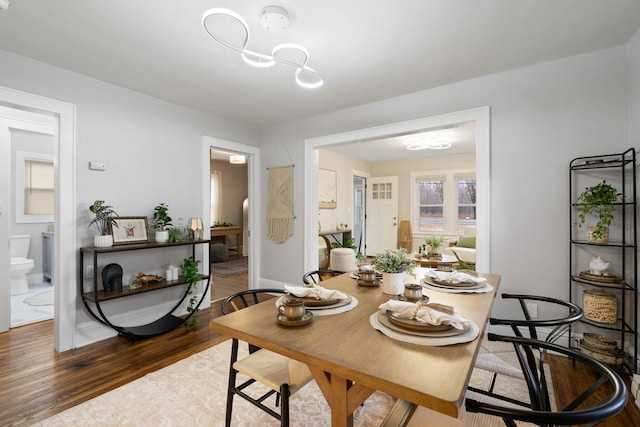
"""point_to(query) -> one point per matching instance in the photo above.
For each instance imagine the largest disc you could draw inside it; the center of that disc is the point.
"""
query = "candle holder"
(195, 225)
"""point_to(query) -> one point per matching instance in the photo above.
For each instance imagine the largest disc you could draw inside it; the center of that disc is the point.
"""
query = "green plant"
(104, 216)
(222, 224)
(434, 242)
(463, 265)
(598, 201)
(161, 218)
(393, 261)
(189, 270)
(347, 243)
(174, 235)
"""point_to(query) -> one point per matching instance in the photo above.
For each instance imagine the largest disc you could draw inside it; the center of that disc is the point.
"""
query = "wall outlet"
(533, 310)
(88, 273)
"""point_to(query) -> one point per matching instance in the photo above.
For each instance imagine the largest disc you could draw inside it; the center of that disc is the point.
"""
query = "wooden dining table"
(350, 359)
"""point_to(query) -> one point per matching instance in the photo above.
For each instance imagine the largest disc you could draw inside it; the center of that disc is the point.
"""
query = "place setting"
(318, 300)
(459, 281)
(422, 322)
(367, 276)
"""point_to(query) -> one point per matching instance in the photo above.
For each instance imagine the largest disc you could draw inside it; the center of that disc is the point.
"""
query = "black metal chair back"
(314, 277)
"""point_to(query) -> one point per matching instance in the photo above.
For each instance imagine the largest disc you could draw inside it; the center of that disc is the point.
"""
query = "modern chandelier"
(218, 21)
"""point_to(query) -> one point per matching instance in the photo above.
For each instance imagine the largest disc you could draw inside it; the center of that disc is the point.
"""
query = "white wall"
(152, 150)
(542, 116)
(634, 90)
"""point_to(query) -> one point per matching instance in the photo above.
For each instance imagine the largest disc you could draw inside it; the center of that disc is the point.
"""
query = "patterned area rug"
(232, 267)
(192, 392)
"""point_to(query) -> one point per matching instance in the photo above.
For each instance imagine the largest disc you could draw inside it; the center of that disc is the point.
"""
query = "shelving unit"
(620, 251)
(94, 299)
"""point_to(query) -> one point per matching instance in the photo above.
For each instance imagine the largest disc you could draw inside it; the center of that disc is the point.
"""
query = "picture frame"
(130, 229)
(327, 189)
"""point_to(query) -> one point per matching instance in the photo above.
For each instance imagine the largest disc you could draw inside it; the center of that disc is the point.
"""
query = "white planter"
(392, 283)
(162, 236)
(103, 241)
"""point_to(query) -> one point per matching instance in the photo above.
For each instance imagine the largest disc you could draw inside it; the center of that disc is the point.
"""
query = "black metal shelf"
(620, 170)
(93, 299)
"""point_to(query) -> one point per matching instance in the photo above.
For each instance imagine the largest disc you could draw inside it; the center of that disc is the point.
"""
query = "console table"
(229, 231)
(346, 234)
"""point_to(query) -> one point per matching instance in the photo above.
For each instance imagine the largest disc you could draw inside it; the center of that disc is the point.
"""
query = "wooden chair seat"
(273, 370)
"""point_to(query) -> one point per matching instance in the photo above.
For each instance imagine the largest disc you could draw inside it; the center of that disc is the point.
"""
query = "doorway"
(359, 209)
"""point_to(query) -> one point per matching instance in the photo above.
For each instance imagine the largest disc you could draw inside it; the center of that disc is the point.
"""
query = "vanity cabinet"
(611, 300)
(96, 299)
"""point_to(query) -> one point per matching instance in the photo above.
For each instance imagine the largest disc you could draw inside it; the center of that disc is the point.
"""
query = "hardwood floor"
(36, 382)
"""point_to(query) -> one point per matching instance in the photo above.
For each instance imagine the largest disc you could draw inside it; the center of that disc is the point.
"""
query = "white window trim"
(21, 157)
(450, 215)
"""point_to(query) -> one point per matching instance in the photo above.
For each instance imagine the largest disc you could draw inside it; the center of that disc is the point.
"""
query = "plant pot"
(162, 236)
(603, 240)
(105, 241)
(392, 283)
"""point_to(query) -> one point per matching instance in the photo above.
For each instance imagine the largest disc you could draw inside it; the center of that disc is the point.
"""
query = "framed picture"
(327, 189)
(130, 229)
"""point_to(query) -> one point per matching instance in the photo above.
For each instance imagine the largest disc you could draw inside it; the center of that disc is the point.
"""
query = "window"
(443, 203)
(34, 187)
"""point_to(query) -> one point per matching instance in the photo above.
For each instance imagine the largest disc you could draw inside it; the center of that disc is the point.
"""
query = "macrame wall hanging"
(280, 203)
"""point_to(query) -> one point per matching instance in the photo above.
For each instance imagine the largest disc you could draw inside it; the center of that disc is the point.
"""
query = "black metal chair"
(527, 325)
(317, 276)
(539, 411)
(282, 375)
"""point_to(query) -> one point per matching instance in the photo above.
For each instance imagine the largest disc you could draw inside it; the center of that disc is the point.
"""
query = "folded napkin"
(431, 314)
(317, 292)
(454, 277)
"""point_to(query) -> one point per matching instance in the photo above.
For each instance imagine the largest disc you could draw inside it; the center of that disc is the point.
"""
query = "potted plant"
(189, 270)
(598, 201)
(433, 243)
(161, 222)
(104, 219)
(393, 263)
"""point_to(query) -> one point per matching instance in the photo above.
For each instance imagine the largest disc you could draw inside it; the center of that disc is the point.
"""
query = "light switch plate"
(97, 166)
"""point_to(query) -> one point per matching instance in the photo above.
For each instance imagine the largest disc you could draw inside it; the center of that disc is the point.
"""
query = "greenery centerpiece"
(433, 244)
(104, 218)
(189, 270)
(394, 264)
(161, 222)
(598, 201)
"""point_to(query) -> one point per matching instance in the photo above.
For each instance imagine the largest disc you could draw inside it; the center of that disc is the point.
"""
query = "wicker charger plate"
(314, 302)
(448, 285)
(385, 320)
(599, 278)
(415, 324)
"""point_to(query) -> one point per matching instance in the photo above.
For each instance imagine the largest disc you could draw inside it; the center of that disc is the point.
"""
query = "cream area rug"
(192, 392)
(43, 298)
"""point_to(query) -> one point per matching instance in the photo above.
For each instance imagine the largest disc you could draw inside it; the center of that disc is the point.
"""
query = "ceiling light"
(237, 159)
(431, 145)
(221, 23)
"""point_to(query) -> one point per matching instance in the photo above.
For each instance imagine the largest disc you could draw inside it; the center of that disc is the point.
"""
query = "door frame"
(64, 273)
(482, 117)
(253, 169)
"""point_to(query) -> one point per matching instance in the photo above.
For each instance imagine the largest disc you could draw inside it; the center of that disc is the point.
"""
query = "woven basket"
(611, 356)
(603, 240)
(600, 306)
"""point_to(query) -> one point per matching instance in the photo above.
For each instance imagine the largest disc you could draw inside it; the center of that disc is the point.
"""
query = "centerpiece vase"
(392, 283)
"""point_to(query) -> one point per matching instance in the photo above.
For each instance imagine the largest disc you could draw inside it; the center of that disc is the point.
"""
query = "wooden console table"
(346, 234)
(229, 231)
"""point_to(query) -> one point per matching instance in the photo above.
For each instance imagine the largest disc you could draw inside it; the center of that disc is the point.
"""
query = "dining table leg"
(342, 395)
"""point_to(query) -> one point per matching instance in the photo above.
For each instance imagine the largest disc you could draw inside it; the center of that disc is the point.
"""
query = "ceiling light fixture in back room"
(232, 31)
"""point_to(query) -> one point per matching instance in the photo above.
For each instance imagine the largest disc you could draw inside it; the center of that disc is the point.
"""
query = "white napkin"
(317, 292)
(454, 277)
(423, 313)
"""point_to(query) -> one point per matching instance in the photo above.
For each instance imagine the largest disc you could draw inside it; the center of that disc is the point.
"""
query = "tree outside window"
(466, 202)
(431, 205)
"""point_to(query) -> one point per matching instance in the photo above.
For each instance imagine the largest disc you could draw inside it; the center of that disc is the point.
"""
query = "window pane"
(467, 192)
(431, 218)
(431, 192)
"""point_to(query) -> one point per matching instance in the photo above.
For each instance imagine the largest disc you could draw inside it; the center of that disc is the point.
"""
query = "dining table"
(350, 359)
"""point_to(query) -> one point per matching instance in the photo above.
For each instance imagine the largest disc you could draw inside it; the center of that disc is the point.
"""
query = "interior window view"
(319, 214)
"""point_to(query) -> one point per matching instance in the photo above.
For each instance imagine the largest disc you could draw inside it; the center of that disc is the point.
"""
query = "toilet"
(20, 264)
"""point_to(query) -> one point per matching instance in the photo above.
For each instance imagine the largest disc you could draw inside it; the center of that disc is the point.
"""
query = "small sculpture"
(598, 266)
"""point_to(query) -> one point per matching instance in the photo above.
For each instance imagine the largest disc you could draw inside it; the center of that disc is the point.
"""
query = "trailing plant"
(598, 200)
(174, 235)
(104, 217)
(189, 270)
(463, 265)
(161, 218)
(393, 261)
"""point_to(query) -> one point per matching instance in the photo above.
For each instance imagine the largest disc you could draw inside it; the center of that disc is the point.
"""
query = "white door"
(382, 214)
(12, 120)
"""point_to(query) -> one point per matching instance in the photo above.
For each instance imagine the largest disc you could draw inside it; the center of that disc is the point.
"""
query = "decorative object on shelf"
(393, 264)
(104, 220)
(130, 229)
(280, 203)
(178, 233)
(598, 200)
(161, 222)
(112, 278)
(143, 280)
(602, 349)
(598, 266)
(195, 225)
(600, 306)
(607, 278)
(189, 270)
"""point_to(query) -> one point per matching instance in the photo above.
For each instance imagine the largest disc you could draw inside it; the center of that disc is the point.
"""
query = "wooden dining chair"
(316, 276)
(606, 397)
(282, 375)
(527, 327)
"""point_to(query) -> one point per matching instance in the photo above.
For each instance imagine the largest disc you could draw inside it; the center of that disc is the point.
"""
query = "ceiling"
(365, 50)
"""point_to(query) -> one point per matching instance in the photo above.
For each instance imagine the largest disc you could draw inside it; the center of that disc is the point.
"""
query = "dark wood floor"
(36, 382)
